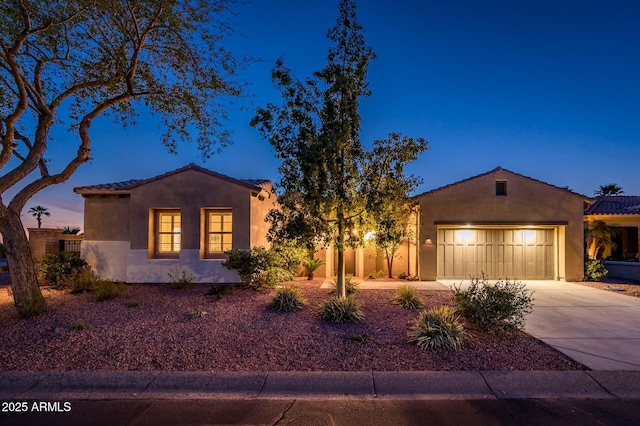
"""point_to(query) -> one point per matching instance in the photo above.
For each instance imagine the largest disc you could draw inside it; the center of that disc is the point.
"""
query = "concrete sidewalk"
(435, 385)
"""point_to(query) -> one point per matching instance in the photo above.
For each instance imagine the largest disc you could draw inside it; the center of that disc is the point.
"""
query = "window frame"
(157, 254)
(207, 232)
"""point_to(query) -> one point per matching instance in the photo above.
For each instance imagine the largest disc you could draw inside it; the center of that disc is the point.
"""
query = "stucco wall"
(190, 191)
(260, 207)
(141, 269)
(107, 258)
(106, 218)
(527, 202)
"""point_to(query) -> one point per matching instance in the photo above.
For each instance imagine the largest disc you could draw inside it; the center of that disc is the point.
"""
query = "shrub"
(179, 278)
(594, 270)
(107, 289)
(58, 268)
(78, 325)
(287, 299)
(497, 308)
(438, 328)
(250, 265)
(376, 274)
(273, 277)
(403, 276)
(362, 338)
(341, 310)
(350, 284)
(287, 255)
(196, 315)
(407, 297)
(134, 304)
(219, 290)
(80, 281)
(312, 265)
(2, 251)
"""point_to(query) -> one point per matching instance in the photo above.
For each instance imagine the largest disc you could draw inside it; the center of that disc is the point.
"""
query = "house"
(623, 213)
(503, 224)
(139, 230)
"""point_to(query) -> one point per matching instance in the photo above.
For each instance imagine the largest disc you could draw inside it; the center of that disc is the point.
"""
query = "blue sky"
(549, 89)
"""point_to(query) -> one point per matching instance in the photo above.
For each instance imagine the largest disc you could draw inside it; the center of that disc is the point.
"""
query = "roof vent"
(501, 187)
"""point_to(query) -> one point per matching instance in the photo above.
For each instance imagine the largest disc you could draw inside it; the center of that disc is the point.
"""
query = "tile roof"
(499, 169)
(615, 204)
(127, 185)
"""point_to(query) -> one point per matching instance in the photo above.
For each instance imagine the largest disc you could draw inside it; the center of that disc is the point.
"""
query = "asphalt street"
(351, 412)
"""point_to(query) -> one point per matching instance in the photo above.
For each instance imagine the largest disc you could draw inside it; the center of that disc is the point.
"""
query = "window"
(501, 187)
(218, 231)
(168, 233)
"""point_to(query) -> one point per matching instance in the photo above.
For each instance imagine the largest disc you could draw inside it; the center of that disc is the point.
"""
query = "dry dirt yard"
(239, 333)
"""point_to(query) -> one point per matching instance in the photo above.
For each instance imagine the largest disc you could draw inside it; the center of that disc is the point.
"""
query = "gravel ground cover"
(239, 333)
(617, 285)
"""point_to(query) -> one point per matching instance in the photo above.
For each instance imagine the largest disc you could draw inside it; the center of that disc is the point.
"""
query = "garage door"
(499, 253)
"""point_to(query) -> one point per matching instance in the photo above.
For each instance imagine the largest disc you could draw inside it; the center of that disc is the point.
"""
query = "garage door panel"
(499, 253)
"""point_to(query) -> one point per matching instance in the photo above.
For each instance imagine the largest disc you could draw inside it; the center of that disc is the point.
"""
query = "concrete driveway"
(597, 328)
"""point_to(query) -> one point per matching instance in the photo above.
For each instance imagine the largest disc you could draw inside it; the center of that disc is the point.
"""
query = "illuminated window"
(168, 233)
(219, 229)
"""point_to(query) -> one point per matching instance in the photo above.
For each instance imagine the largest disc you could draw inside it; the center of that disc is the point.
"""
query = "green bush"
(407, 297)
(287, 299)
(376, 274)
(495, 308)
(287, 255)
(179, 279)
(107, 289)
(260, 267)
(350, 284)
(250, 265)
(134, 304)
(438, 328)
(58, 268)
(341, 310)
(594, 270)
(273, 277)
(80, 281)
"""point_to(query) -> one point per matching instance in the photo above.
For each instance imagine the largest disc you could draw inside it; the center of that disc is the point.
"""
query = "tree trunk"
(390, 264)
(341, 290)
(24, 283)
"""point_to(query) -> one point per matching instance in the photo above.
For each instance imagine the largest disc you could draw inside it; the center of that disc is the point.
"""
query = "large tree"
(328, 178)
(68, 62)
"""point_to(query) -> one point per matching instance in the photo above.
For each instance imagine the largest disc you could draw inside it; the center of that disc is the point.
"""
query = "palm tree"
(38, 212)
(312, 265)
(70, 230)
(610, 189)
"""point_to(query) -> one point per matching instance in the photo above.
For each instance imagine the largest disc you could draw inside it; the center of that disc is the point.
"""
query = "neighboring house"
(503, 224)
(139, 230)
(623, 213)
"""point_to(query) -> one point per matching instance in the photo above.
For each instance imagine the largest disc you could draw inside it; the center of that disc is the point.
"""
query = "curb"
(436, 385)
